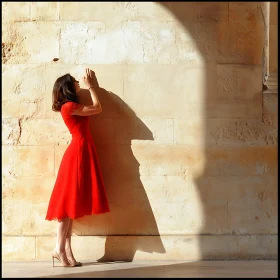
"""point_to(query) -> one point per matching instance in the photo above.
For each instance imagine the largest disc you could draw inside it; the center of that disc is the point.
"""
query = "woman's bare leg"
(62, 228)
(68, 247)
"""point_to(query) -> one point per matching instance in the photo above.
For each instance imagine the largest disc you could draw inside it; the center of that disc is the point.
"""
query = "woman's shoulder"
(69, 106)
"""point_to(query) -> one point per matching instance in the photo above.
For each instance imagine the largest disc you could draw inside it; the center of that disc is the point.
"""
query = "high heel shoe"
(75, 264)
(55, 255)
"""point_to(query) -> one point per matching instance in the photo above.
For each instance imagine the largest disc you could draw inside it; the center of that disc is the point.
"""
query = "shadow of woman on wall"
(130, 225)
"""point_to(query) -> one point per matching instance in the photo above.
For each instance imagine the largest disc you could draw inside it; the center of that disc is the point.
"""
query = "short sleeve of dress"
(68, 107)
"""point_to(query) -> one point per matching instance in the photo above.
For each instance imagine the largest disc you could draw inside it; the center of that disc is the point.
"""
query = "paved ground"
(138, 269)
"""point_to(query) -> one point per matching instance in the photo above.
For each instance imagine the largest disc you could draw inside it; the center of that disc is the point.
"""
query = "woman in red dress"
(79, 188)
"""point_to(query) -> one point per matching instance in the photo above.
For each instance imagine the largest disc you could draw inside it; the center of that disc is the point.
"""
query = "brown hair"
(64, 91)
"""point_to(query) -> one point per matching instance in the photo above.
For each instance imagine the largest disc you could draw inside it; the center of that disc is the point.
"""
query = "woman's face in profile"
(77, 85)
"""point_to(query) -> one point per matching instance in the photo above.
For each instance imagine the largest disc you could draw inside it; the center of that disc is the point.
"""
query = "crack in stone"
(20, 130)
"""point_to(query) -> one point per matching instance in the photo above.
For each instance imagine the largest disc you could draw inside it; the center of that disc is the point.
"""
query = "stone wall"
(186, 140)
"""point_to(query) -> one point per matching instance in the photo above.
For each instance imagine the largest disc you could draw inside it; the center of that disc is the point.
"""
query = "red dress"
(79, 188)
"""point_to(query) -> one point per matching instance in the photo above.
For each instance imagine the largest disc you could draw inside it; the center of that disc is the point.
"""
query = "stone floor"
(138, 269)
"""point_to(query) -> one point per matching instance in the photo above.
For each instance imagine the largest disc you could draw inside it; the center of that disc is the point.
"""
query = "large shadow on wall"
(230, 187)
(131, 213)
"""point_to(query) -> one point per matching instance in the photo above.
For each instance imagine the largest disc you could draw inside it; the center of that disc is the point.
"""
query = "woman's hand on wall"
(88, 78)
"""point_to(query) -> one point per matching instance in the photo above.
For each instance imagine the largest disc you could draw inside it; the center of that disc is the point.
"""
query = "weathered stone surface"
(241, 42)
(190, 161)
(230, 109)
(258, 246)
(237, 82)
(38, 161)
(138, 42)
(245, 11)
(157, 90)
(270, 109)
(199, 11)
(44, 11)
(146, 247)
(44, 132)
(26, 42)
(23, 83)
(7, 160)
(253, 206)
(27, 189)
(224, 132)
(28, 198)
(150, 131)
(11, 131)
(175, 247)
(24, 109)
(32, 219)
(15, 11)
(90, 11)
(18, 248)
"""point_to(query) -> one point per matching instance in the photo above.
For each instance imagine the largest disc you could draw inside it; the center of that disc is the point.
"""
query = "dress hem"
(77, 217)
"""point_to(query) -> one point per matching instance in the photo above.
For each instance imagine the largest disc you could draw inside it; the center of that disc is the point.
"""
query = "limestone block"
(27, 189)
(152, 131)
(88, 46)
(138, 42)
(270, 109)
(241, 161)
(251, 132)
(91, 11)
(167, 247)
(44, 247)
(114, 11)
(197, 43)
(25, 109)
(18, 248)
(145, 247)
(223, 132)
(258, 246)
(26, 42)
(11, 131)
(242, 11)
(184, 207)
(150, 42)
(190, 132)
(146, 10)
(241, 42)
(239, 82)
(7, 161)
(23, 84)
(31, 222)
(44, 11)
(190, 161)
(253, 206)
(162, 160)
(229, 109)
(15, 11)
(44, 132)
(34, 161)
(198, 11)
(153, 90)
(218, 247)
